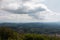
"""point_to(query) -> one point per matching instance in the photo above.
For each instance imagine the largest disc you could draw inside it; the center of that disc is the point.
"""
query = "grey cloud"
(25, 0)
(36, 10)
(31, 13)
(24, 11)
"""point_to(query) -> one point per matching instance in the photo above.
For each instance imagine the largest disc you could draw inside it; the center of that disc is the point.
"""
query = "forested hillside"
(7, 33)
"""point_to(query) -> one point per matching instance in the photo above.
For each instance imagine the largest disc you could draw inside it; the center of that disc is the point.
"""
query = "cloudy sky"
(29, 11)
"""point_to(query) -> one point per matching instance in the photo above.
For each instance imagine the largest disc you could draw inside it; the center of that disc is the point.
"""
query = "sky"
(22, 11)
(53, 5)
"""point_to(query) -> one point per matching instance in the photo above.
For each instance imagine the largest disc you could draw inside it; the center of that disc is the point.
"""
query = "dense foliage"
(10, 34)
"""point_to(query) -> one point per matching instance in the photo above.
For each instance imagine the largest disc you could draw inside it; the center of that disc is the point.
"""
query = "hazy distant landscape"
(29, 31)
(39, 28)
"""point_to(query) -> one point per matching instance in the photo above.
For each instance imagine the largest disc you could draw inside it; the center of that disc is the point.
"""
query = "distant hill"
(48, 25)
(45, 28)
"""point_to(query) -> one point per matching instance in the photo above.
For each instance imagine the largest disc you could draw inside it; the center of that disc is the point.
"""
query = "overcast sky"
(29, 11)
(53, 5)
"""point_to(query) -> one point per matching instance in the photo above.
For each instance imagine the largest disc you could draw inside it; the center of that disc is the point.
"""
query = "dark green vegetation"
(29, 31)
(7, 33)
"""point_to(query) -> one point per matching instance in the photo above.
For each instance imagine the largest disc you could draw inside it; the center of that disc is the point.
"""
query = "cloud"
(18, 18)
(9, 4)
(10, 17)
(26, 11)
(30, 7)
(34, 1)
